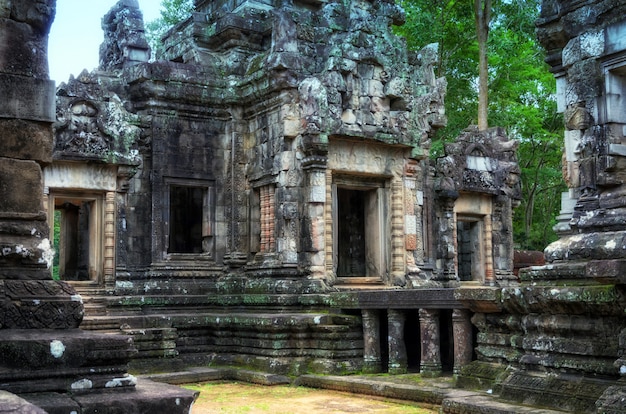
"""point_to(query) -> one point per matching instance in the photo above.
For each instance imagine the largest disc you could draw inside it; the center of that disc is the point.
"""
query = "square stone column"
(398, 363)
(463, 344)
(371, 341)
(430, 363)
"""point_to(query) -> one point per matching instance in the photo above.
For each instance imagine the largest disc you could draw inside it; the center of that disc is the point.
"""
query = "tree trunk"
(482, 11)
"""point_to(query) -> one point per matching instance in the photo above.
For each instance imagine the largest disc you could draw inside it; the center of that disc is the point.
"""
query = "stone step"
(435, 391)
(485, 404)
(146, 397)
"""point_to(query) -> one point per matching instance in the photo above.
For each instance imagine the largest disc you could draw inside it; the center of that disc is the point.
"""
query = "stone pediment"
(481, 161)
(93, 125)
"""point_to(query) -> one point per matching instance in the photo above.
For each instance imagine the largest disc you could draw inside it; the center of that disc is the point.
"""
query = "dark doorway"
(469, 246)
(351, 232)
(446, 340)
(72, 225)
(412, 340)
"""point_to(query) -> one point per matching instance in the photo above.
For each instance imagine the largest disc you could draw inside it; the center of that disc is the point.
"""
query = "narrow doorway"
(470, 250)
(351, 233)
(187, 205)
(74, 232)
(359, 236)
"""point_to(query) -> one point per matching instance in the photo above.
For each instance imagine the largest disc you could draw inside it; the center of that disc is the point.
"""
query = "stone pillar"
(49, 356)
(29, 298)
(430, 362)
(371, 341)
(397, 348)
(235, 196)
(462, 331)
(447, 250)
(329, 261)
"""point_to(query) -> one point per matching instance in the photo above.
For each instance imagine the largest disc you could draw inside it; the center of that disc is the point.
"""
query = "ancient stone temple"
(44, 357)
(261, 193)
(557, 339)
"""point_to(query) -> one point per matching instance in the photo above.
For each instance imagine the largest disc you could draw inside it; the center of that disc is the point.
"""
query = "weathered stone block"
(25, 140)
(11, 403)
(16, 176)
(27, 98)
(28, 52)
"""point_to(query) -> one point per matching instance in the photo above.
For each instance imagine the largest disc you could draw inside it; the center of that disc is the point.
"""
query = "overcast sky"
(76, 34)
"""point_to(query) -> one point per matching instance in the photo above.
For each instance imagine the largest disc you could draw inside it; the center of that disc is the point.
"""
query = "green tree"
(482, 17)
(521, 95)
(172, 13)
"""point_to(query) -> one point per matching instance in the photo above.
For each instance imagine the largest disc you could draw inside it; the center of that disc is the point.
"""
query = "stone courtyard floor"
(239, 398)
(411, 389)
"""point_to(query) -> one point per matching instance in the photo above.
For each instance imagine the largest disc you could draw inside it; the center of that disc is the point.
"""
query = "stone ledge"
(481, 404)
(429, 391)
(389, 389)
(11, 404)
(147, 397)
(200, 374)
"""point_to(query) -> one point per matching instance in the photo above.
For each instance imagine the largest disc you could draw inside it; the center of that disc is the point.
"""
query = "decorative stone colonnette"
(395, 305)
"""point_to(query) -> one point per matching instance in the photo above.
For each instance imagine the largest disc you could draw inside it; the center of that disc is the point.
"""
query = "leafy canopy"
(172, 13)
(521, 96)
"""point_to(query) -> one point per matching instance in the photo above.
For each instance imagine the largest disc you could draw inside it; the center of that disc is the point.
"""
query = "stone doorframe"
(97, 183)
(475, 209)
(359, 165)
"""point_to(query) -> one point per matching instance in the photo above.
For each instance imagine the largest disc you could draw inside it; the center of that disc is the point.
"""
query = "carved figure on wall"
(80, 132)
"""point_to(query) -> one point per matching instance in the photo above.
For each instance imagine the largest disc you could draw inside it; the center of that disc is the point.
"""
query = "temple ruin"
(261, 195)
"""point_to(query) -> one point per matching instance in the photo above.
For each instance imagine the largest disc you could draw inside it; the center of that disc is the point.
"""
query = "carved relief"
(80, 133)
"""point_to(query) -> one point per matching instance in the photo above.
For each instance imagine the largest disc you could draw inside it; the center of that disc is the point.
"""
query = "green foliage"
(172, 13)
(521, 96)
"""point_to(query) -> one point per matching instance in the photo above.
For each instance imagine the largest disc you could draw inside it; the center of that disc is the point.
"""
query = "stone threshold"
(430, 391)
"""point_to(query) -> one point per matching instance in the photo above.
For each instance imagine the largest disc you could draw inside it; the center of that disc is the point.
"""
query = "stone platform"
(70, 370)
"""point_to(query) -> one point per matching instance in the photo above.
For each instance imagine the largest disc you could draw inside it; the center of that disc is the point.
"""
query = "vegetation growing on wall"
(172, 12)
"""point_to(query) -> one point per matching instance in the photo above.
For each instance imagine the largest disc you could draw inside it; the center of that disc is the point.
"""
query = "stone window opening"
(470, 248)
(359, 232)
(614, 113)
(189, 220)
(77, 235)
